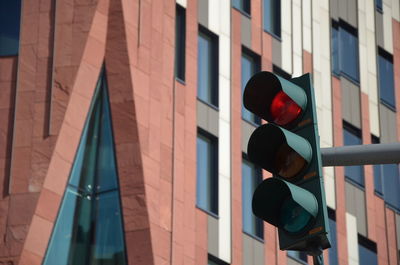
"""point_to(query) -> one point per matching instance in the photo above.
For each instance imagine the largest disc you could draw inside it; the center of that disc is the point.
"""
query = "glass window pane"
(333, 255)
(335, 51)
(367, 256)
(249, 68)
(243, 5)
(207, 178)
(299, 255)
(348, 50)
(251, 177)
(355, 173)
(391, 180)
(180, 40)
(207, 83)
(10, 12)
(386, 81)
(89, 228)
(378, 179)
(272, 16)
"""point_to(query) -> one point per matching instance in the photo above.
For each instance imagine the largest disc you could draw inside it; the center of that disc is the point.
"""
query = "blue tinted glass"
(249, 68)
(206, 174)
(391, 182)
(251, 177)
(378, 179)
(378, 4)
(366, 256)
(272, 16)
(206, 75)
(243, 5)
(333, 255)
(299, 255)
(348, 52)
(335, 51)
(89, 228)
(355, 173)
(10, 12)
(386, 81)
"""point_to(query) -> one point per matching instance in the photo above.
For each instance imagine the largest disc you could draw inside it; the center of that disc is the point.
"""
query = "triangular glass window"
(89, 228)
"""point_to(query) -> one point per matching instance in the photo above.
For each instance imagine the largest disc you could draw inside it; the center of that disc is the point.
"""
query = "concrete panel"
(306, 16)
(202, 12)
(351, 102)
(352, 239)
(258, 253)
(334, 9)
(207, 118)
(329, 184)
(388, 124)
(396, 9)
(387, 28)
(348, 11)
(355, 205)
(352, 12)
(247, 130)
(379, 28)
(212, 232)
(276, 52)
(202, 115)
(247, 250)
(246, 32)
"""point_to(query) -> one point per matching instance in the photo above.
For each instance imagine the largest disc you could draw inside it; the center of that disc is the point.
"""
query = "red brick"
(39, 235)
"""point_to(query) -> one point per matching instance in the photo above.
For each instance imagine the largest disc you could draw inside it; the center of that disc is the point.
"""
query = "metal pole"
(352, 155)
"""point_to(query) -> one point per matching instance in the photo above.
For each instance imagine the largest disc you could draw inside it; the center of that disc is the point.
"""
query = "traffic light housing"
(293, 200)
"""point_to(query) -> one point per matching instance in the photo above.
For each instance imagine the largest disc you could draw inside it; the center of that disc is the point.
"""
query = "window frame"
(213, 178)
(367, 244)
(214, 66)
(256, 65)
(342, 26)
(388, 58)
(259, 223)
(180, 43)
(357, 133)
(242, 6)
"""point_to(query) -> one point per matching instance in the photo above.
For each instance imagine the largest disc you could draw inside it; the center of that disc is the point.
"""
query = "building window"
(298, 255)
(333, 255)
(207, 172)
(251, 178)
(207, 70)
(386, 79)
(387, 181)
(89, 227)
(180, 41)
(378, 5)
(352, 136)
(335, 48)
(250, 66)
(242, 5)
(345, 50)
(366, 251)
(272, 17)
(10, 13)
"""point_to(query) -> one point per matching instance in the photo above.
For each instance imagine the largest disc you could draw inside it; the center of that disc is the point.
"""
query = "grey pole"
(352, 155)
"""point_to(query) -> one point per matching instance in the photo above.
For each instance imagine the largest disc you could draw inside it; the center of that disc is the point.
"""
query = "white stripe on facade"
(286, 35)
(387, 26)
(322, 85)
(219, 22)
(297, 39)
(352, 239)
(306, 16)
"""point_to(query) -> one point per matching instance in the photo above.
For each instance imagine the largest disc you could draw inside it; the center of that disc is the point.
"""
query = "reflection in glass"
(89, 229)
(354, 173)
(251, 178)
(249, 67)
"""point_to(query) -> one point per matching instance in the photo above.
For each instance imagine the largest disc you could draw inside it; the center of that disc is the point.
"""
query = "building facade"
(123, 137)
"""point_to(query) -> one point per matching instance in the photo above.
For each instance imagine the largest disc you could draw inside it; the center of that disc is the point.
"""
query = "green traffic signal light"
(288, 147)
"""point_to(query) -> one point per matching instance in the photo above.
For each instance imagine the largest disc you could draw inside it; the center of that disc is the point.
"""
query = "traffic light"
(288, 146)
